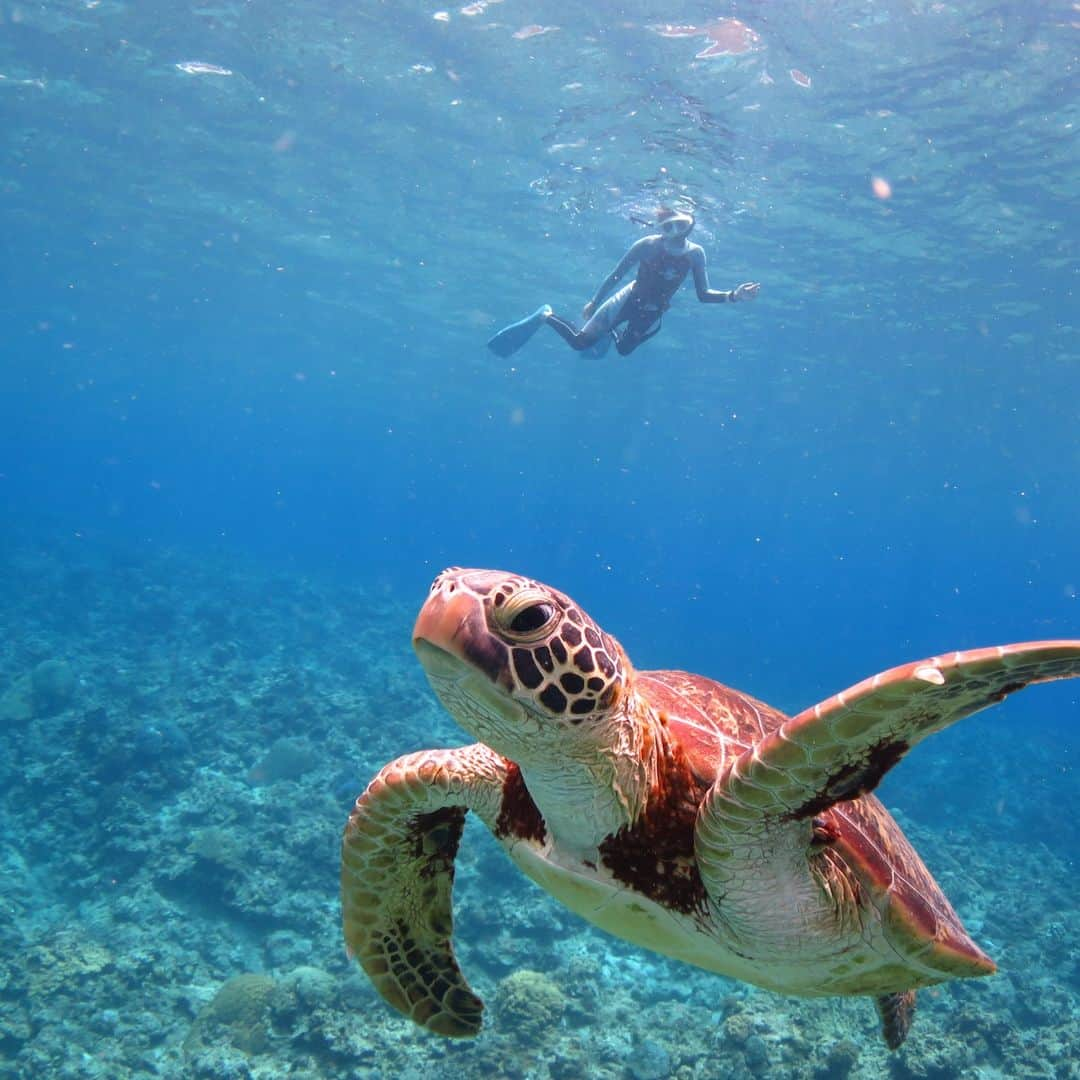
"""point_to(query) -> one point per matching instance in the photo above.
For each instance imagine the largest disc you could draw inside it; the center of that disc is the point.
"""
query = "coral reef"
(287, 759)
(531, 1005)
(52, 687)
(239, 1012)
(168, 865)
(47, 688)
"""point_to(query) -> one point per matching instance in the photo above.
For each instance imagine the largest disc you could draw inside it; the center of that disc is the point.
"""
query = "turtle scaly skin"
(398, 862)
(665, 808)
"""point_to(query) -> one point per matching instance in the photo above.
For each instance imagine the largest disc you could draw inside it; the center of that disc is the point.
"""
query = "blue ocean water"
(251, 258)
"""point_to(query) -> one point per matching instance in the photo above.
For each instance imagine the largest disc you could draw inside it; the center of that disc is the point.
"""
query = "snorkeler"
(663, 260)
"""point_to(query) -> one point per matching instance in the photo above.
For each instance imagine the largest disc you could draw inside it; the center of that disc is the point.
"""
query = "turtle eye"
(532, 618)
(528, 616)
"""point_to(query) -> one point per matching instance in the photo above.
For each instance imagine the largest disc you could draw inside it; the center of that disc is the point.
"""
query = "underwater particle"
(284, 142)
(6, 81)
(800, 78)
(726, 37)
(474, 9)
(881, 187)
(672, 31)
(532, 30)
(199, 67)
(441, 16)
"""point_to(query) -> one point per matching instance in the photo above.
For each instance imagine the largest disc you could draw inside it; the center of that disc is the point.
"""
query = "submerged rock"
(531, 1005)
(651, 1061)
(238, 1014)
(287, 759)
(17, 702)
(52, 685)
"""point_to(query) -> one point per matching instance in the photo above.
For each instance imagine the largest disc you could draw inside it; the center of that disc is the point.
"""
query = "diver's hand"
(588, 311)
(746, 291)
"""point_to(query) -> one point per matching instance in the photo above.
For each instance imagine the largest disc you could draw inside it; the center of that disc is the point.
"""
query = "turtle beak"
(438, 663)
(443, 619)
(452, 623)
(466, 664)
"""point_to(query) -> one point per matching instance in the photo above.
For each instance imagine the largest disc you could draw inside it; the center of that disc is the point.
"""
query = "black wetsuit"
(659, 275)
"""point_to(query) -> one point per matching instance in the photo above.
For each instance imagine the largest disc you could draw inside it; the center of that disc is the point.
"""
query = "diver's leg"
(636, 333)
(576, 339)
(604, 318)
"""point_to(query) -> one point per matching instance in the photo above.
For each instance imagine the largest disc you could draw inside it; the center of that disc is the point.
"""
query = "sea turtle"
(667, 809)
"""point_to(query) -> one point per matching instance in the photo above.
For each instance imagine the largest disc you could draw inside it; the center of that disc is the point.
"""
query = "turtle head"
(518, 664)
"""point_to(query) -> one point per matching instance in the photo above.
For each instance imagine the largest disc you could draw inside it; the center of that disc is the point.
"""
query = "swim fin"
(510, 338)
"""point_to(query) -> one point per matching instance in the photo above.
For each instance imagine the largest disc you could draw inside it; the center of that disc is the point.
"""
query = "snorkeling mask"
(677, 225)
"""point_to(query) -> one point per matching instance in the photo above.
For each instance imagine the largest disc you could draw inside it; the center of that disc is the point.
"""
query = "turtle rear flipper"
(397, 877)
(896, 1012)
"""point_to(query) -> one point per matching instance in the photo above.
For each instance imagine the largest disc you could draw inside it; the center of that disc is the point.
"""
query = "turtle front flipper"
(841, 748)
(837, 890)
(397, 876)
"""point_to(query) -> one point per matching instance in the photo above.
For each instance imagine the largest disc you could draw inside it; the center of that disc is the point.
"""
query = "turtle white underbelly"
(621, 911)
(785, 963)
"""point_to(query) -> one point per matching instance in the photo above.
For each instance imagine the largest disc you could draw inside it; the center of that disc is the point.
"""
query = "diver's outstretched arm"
(747, 291)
